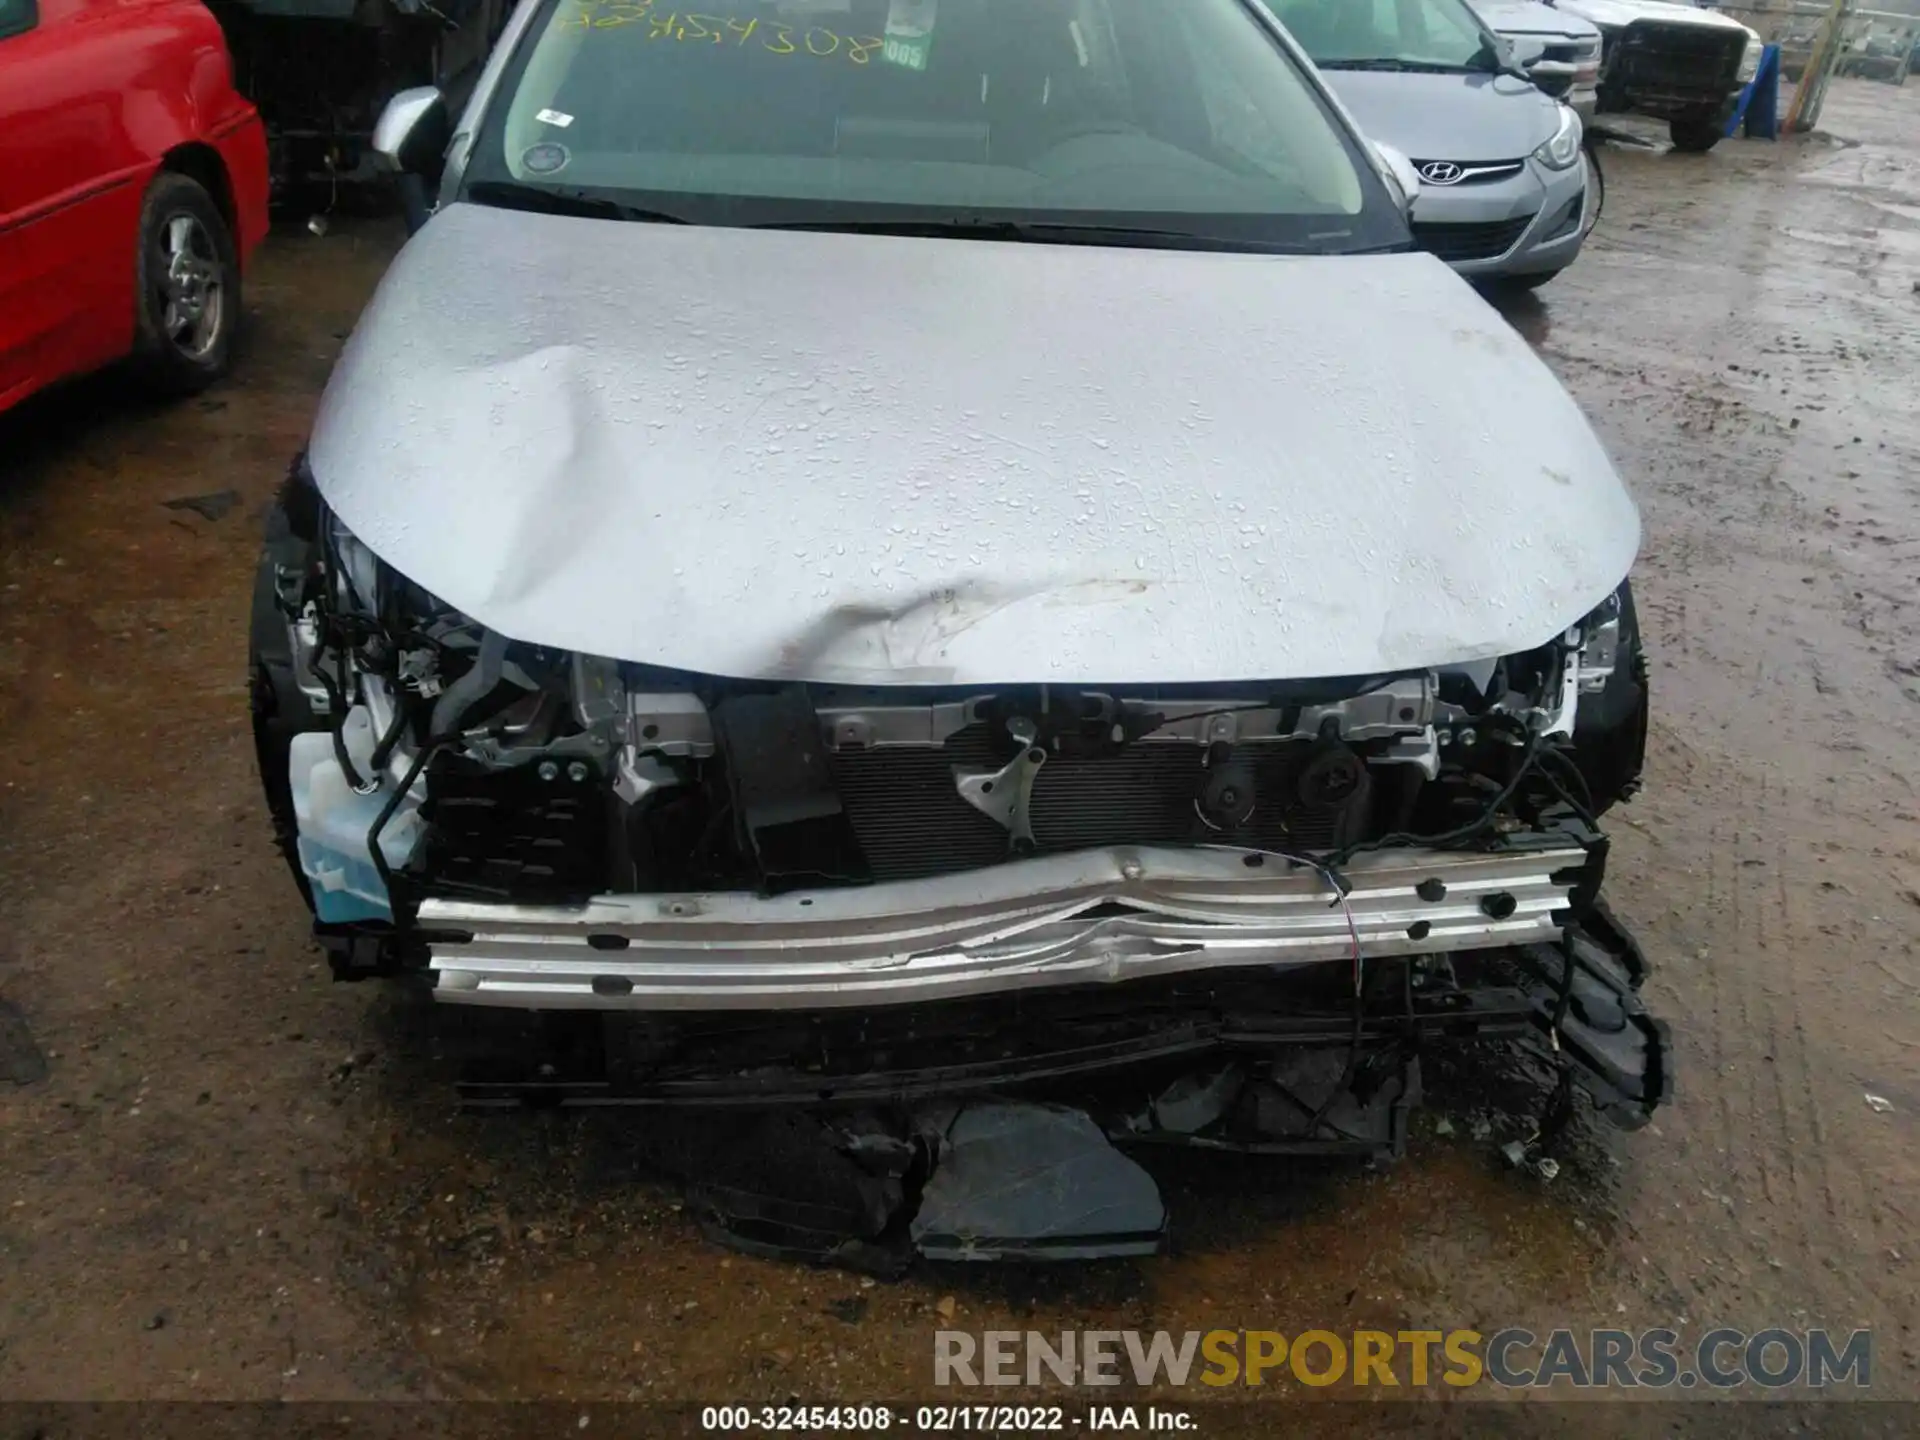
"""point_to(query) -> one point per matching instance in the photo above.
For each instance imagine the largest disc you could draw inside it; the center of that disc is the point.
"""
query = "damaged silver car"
(876, 559)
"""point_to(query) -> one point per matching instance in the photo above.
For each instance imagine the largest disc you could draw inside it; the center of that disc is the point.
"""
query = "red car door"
(68, 195)
(96, 96)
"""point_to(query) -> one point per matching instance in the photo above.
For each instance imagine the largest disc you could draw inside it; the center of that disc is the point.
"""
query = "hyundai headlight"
(1562, 152)
(1750, 60)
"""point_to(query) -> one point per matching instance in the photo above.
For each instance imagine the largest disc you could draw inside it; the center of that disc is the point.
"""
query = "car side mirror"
(1524, 54)
(1402, 178)
(413, 132)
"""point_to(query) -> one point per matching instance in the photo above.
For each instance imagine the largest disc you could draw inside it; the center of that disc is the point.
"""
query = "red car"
(133, 190)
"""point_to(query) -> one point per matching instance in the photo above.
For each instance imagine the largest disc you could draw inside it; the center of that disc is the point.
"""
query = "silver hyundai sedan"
(1505, 189)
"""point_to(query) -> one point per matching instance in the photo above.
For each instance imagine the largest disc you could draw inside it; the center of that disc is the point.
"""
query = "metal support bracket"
(1005, 796)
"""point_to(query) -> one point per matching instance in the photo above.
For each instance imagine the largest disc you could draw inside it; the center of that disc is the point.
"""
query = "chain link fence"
(1819, 39)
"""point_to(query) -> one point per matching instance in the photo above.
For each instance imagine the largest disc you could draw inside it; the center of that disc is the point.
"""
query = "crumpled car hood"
(895, 460)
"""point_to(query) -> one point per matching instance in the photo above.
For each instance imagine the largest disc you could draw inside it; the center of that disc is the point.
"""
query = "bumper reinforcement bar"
(1092, 916)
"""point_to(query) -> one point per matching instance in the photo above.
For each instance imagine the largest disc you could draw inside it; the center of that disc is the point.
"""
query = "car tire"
(1597, 182)
(1697, 133)
(1528, 282)
(186, 288)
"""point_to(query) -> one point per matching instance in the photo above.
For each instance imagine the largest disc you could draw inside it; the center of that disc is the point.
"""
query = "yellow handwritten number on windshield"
(775, 38)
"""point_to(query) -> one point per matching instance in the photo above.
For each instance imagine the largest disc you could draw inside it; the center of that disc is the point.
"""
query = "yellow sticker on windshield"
(698, 28)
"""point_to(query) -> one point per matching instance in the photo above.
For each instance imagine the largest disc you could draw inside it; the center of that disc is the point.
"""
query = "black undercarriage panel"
(1076, 1043)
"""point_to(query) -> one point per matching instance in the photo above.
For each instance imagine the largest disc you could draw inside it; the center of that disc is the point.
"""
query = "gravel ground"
(236, 1180)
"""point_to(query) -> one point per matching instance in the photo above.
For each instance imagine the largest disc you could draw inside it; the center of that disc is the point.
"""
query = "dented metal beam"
(1115, 914)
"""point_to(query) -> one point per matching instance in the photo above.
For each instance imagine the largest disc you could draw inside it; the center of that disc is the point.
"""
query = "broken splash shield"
(1062, 970)
(1009, 1127)
(1148, 1056)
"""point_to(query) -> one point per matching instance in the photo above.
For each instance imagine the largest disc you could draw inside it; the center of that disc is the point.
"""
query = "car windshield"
(1103, 121)
(1388, 34)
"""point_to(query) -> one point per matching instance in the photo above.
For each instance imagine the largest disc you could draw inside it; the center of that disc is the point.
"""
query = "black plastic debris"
(1016, 1181)
(1317, 1099)
(21, 1062)
(1302, 1101)
(795, 1186)
(213, 506)
(1195, 1101)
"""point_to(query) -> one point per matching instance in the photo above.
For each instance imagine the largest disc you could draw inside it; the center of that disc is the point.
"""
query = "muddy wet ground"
(238, 1180)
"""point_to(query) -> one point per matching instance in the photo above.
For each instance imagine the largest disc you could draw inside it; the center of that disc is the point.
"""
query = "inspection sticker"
(910, 32)
(553, 117)
(544, 158)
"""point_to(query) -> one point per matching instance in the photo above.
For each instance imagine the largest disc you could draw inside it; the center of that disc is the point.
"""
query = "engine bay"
(455, 763)
(643, 886)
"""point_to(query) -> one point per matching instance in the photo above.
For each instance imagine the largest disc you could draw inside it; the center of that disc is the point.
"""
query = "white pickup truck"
(1680, 63)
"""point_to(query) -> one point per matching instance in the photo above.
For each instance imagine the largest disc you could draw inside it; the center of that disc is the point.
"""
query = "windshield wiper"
(1042, 232)
(511, 195)
(1408, 67)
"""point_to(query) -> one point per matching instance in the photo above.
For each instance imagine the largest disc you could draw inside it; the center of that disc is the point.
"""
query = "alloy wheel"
(189, 287)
